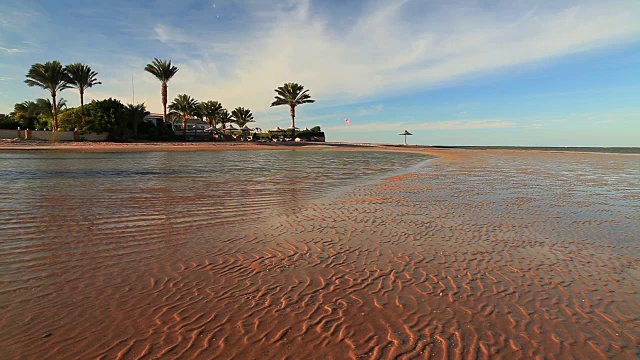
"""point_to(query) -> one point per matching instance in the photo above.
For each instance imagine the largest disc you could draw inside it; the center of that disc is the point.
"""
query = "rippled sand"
(478, 254)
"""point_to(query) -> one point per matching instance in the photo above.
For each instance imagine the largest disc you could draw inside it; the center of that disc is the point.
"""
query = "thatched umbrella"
(276, 131)
(405, 133)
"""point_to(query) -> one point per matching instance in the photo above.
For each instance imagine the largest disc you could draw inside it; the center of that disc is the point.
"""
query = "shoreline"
(112, 147)
(436, 150)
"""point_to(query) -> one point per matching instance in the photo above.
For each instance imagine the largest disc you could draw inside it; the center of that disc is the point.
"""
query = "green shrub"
(7, 122)
(70, 119)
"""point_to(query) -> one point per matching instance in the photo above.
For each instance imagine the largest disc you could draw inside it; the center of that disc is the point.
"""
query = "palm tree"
(224, 117)
(50, 76)
(211, 110)
(184, 106)
(292, 94)
(242, 116)
(164, 71)
(46, 107)
(135, 114)
(82, 77)
(26, 113)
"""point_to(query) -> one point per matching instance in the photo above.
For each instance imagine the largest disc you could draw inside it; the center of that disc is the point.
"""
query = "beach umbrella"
(405, 133)
(277, 130)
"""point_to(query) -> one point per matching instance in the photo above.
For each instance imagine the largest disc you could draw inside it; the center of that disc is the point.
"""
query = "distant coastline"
(590, 149)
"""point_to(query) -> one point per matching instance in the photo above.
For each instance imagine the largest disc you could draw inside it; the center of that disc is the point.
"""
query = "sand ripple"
(494, 255)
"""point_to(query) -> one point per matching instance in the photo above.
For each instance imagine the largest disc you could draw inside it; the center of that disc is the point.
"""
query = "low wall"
(51, 136)
(94, 137)
(11, 134)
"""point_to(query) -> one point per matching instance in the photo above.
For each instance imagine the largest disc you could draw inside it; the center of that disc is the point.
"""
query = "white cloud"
(437, 125)
(390, 48)
(370, 110)
(167, 34)
(11, 50)
(385, 52)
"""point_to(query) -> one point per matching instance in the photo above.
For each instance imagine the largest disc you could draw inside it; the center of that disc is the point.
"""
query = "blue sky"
(453, 72)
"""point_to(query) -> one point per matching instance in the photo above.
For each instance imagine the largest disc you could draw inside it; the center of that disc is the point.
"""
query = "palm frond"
(211, 109)
(81, 76)
(49, 76)
(161, 69)
(291, 94)
(242, 116)
(224, 117)
(185, 105)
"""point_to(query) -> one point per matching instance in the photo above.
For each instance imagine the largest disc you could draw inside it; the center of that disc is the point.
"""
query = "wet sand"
(11, 145)
(479, 254)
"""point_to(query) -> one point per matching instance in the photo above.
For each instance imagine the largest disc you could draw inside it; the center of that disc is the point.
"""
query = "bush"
(159, 133)
(70, 119)
(43, 122)
(105, 116)
(7, 122)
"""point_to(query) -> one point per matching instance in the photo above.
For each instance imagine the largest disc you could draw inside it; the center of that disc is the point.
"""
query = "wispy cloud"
(437, 125)
(11, 50)
(365, 52)
(367, 59)
(370, 110)
(167, 34)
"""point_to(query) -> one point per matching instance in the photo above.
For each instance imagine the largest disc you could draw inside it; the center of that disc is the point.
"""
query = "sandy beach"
(476, 254)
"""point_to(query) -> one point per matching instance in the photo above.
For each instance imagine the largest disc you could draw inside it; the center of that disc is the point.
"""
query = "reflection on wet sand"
(489, 254)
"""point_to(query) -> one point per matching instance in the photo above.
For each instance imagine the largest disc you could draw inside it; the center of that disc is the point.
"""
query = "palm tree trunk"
(54, 124)
(293, 120)
(164, 102)
(82, 105)
(184, 127)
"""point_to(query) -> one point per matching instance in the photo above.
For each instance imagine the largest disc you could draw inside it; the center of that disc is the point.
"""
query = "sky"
(452, 72)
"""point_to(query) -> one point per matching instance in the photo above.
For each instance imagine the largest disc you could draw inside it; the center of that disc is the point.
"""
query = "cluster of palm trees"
(29, 113)
(55, 77)
(185, 106)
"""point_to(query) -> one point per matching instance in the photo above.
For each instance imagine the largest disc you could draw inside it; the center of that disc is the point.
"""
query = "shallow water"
(312, 254)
